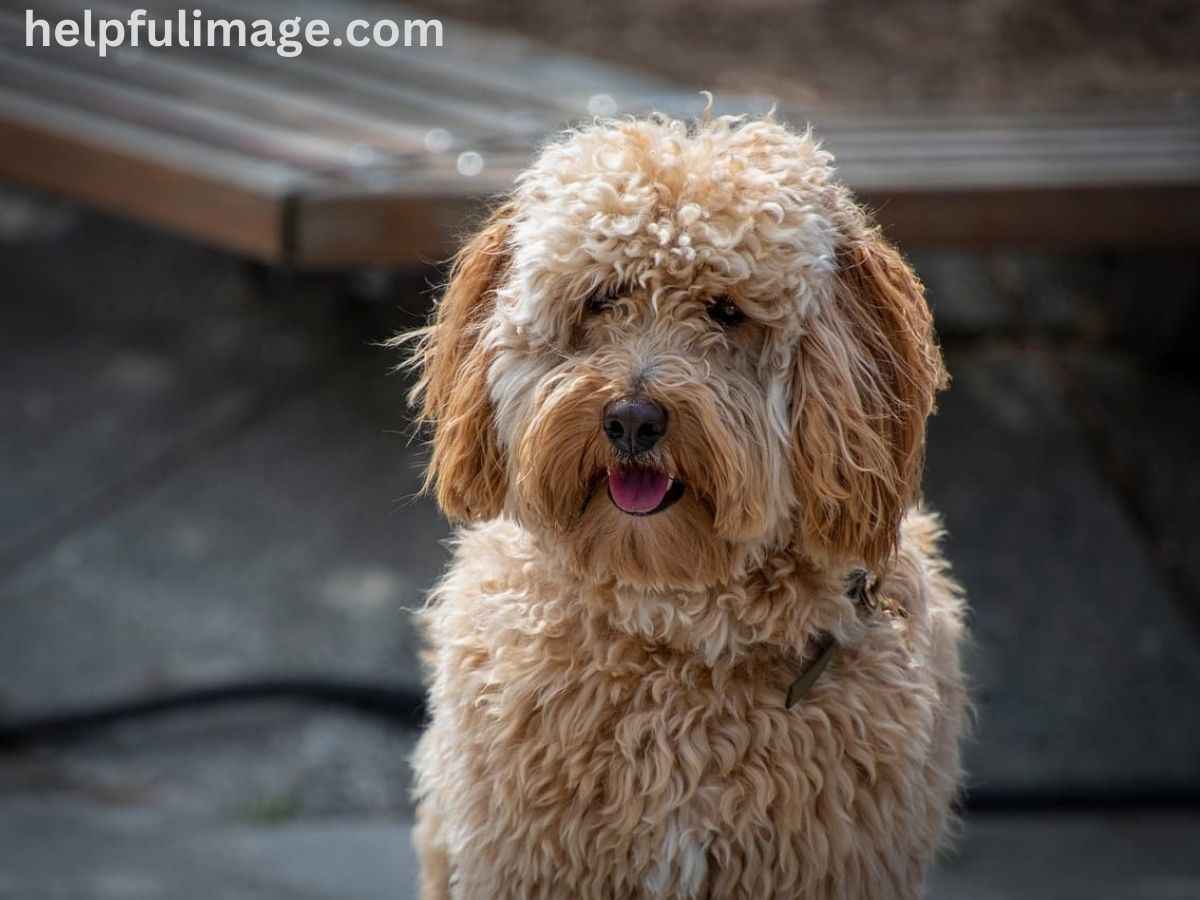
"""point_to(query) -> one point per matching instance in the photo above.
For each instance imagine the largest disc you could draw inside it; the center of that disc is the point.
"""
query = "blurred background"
(209, 529)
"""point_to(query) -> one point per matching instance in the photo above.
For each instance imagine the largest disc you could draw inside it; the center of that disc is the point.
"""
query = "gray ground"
(205, 476)
(919, 55)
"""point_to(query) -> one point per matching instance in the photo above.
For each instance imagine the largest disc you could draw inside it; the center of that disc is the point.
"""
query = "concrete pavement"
(200, 482)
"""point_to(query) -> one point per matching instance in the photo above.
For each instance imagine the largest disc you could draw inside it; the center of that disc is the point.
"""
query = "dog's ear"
(466, 468)
(868, 368)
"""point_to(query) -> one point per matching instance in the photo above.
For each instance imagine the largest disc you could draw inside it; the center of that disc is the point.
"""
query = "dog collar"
(863, 588)
(798, 690)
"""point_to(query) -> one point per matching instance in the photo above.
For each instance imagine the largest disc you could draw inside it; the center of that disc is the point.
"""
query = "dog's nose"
(634, 426)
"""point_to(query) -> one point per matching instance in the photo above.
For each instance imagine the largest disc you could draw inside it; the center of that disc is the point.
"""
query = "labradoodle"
(697, 639)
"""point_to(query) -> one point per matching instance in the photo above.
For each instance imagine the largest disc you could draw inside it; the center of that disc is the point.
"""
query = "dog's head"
(673, 347)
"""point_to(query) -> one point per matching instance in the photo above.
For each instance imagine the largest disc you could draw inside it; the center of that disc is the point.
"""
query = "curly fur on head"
(720, 273)
(820, 397)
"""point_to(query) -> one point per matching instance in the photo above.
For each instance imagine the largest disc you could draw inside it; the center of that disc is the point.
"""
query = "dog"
(697, 639)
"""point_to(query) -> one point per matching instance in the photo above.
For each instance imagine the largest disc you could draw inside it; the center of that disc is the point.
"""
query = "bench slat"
(322, 158)
(189, 81)
(217, 198)
(376, 84)
(165, 115)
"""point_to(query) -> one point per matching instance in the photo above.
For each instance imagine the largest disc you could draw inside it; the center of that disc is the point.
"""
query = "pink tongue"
(636, 490)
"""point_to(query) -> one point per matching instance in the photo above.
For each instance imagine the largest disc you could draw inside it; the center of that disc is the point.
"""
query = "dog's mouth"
(641, 490)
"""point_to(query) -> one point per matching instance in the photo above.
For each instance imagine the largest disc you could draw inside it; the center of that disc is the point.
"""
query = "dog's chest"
(676, 774)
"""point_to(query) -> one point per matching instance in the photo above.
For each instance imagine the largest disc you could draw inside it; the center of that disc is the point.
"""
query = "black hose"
(406, 708)
(1084, 799)
(399, 705)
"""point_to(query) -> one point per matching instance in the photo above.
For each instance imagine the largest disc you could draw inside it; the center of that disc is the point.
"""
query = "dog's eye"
(725, 312)
(601, 298)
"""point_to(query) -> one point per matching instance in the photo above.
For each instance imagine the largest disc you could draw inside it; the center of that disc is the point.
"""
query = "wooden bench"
(345, 157)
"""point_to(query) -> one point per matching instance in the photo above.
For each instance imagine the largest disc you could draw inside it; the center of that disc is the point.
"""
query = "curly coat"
(607, 696)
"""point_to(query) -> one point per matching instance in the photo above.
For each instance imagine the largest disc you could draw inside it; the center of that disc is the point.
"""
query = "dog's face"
(672, 348)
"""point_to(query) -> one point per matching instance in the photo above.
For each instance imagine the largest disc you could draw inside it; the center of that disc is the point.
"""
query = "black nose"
(634, 426)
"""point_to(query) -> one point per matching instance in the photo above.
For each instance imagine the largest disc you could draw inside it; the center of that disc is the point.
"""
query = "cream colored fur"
(607, 696)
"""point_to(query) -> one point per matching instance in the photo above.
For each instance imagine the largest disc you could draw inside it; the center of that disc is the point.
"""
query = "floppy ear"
(868, 368)
(467, 464)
